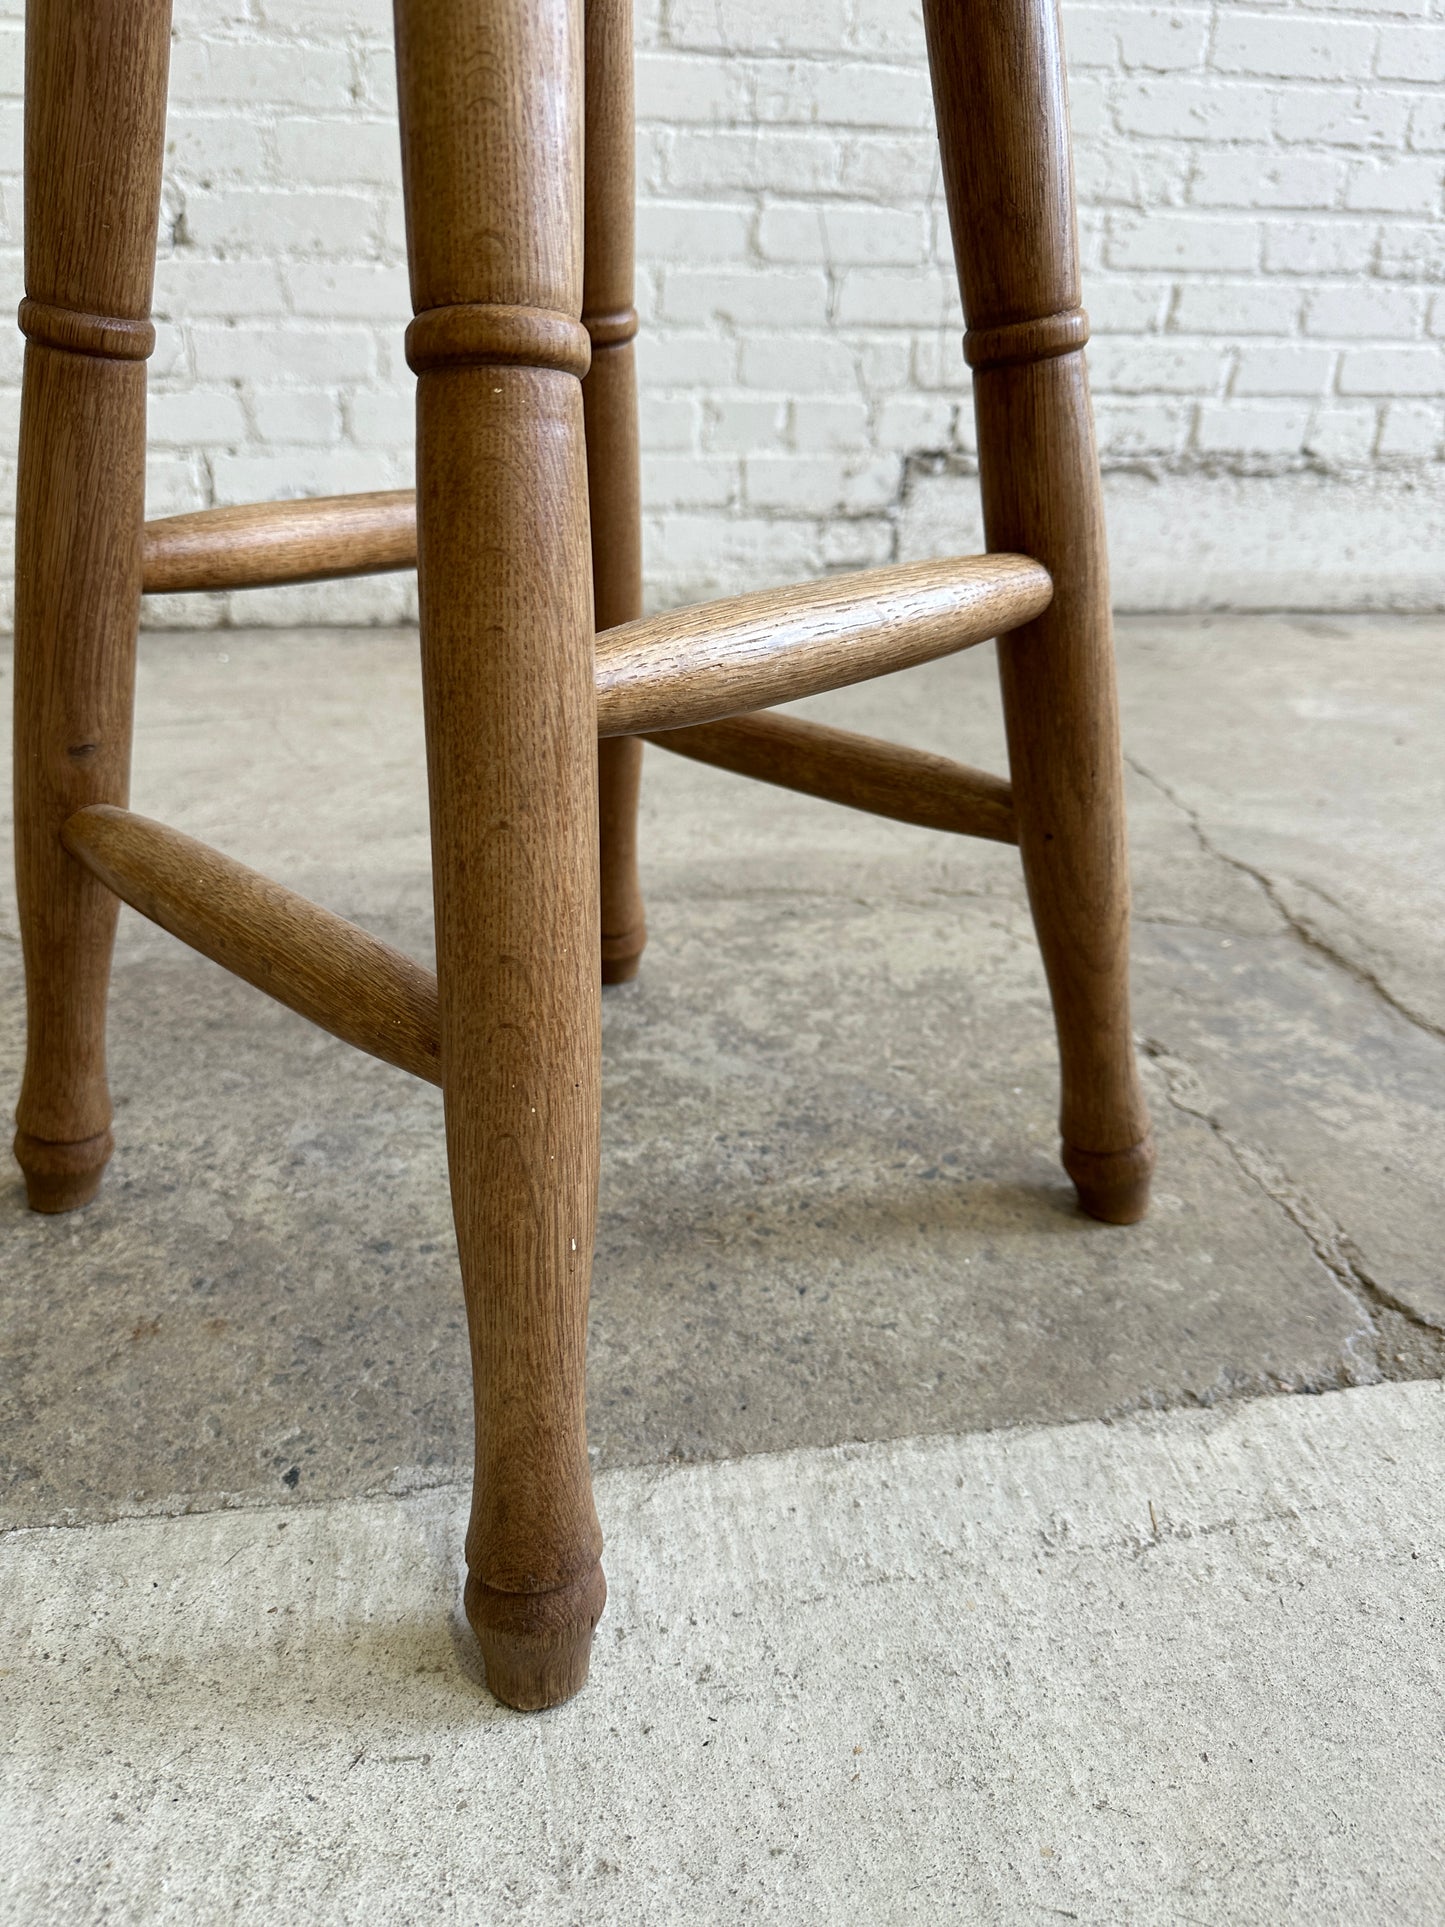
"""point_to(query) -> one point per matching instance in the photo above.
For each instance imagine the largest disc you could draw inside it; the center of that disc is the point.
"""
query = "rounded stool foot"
(62, 1177)
(622, 955)
(536, 1645)
(1113, 1186)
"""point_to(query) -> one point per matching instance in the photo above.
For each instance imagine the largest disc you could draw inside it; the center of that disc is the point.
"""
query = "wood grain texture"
(263, 543)
(747, 652)
(862, 772)
(609, 406)
(95, 80)
(314, 962)
(491, 119)
(998, 83)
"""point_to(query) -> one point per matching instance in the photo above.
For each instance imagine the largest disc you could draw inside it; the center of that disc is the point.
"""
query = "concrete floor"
(831, 1221)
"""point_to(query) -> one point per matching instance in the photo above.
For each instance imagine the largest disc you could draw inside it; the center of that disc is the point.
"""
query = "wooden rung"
(349, 983)
(719, 659)
(265, 543)
(861, 771)
(676, 670)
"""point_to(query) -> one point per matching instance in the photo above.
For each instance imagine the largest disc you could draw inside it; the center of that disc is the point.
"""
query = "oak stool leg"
(609, 404)
(95, 103)
(1011, 203)
(491, 113)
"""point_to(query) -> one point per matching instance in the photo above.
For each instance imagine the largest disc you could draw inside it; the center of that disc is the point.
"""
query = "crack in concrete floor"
(1407, 1345)
(1302, 929)
(1326, 1239)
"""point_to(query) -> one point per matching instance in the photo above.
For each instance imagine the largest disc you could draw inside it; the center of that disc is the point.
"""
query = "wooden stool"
(525, 521)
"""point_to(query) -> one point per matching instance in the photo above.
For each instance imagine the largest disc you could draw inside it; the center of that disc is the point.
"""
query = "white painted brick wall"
(1261, 216)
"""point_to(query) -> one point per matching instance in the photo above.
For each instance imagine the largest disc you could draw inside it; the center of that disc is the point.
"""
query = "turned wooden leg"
(1011, 204)
(95, 87)
(1061, 715)
(493, 177)
(609, 401)
(624, 924)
